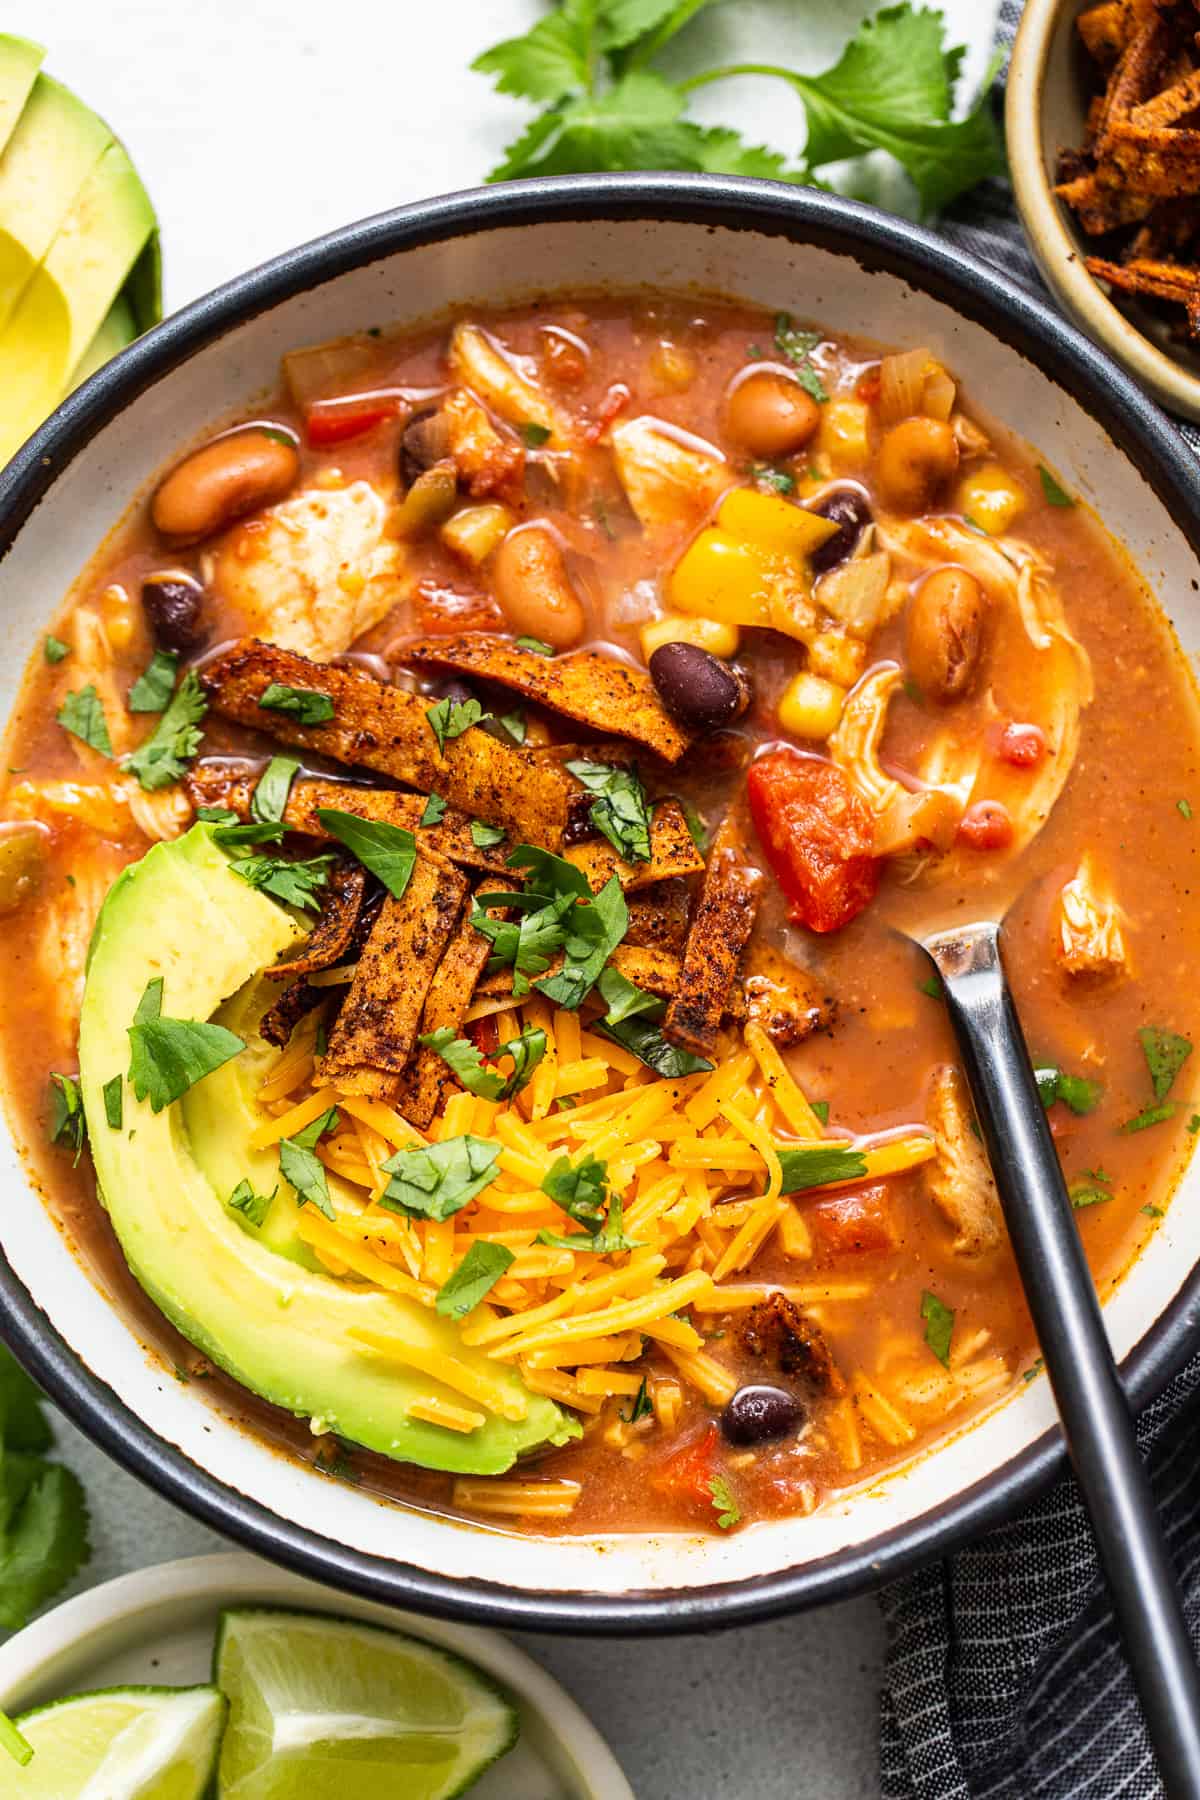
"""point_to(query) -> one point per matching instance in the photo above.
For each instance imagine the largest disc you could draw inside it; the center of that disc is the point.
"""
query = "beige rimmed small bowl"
(1046, 113)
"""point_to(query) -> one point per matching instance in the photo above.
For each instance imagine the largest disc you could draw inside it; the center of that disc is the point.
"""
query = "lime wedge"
(327, 1709)
(125, 1744)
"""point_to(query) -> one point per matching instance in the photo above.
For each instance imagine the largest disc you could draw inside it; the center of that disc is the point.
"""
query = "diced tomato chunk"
(333, 421)
(686, 1477)
(817, 836)
(444, 611)
(484, 1034)
(617, 396)
(1022, 745)
(869, 386)
(855, 1219)
(986, 826)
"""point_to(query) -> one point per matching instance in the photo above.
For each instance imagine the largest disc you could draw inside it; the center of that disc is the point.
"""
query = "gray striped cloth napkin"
(1005, 1678)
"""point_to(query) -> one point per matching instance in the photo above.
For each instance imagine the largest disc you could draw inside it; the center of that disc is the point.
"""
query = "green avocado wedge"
(280, 1329)
(20, 60)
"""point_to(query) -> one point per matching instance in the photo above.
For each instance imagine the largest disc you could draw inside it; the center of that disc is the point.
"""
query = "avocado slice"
(279, 1329)
(117, 330)
(20, 60)
(54, 147)
(66, 298)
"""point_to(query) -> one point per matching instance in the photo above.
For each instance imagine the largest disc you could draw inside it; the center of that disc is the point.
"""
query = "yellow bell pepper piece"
(720, 577)
(712, 635)
(771, 523)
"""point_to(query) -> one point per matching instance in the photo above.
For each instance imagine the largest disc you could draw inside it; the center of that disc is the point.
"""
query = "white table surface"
(257, 124)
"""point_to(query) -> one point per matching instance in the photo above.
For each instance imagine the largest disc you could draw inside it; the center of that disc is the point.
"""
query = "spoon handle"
(1066, 1315)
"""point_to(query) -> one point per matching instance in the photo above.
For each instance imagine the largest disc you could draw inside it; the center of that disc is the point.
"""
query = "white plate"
(159, 1627)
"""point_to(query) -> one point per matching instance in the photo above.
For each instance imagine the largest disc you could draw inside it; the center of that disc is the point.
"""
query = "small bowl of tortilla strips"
(1103, 121)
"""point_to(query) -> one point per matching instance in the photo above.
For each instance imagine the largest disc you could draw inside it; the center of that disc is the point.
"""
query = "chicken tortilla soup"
(488, 780)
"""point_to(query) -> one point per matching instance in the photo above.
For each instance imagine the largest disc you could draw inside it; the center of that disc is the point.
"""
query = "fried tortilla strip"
(1100, 209)
(428, 1081)
(1165, 162)
(672, 852)
(373, 1038)
(1173, 103)
(787, 1001)
(719, 933)
(383, 728)
(658, 917)
(279, 1021)
(1163, 281)
(215, 784)
(594, 690)
(333, 934)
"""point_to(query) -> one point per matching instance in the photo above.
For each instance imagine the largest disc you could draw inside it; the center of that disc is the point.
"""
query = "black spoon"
(1078, 1357)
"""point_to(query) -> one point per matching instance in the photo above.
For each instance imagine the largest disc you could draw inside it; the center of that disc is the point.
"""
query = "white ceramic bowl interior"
(158, 1628)
(498, 266)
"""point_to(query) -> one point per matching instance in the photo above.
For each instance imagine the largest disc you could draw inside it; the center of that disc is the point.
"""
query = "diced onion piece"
(326, 369)
(938, 398)
(856, 592)
(475, 531)
(902, 385)
(925, 820)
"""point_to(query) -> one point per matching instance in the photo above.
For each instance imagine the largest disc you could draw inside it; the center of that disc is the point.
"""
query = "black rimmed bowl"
(822, 258)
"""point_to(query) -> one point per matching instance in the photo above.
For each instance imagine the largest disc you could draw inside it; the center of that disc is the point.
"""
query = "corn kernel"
(990, 497)
(713, 635)
(719, 577)
(810, 706)
(118, 616)
(351, 582)
(475, 532)
(845, 433)
(837, 658)
(769, 522)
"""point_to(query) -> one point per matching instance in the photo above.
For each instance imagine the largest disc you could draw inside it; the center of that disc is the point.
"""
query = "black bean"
(850, 511)
(173, 602)
(423, 442)
(759, 1415)
(699, 690)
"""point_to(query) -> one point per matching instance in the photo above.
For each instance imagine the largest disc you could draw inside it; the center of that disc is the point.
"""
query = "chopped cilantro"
(1056, 495)
(114, 1102)
(303, 1169)
(486, 837)
(537, 646)
(270, 795)
(1076, 1092)
(1033, 1371)
(82, 715)
(475, 1276)
(435, 811)
(818, 1165)
(278, 435)
(632, 1020)
(939, 1326)
(777, 481)
(438, 1180)
(514, 724)
(821, 1109)
(1083, 1193)
(1193, 1124)
(53, 648)
(252, 1207)
(450, 718)
(558, 912)
(308, 706)
(168, 1056)
(217, 815)
(796, 347)
(913, 691)
(642, 1406)
(727, 1509)
(697, 829)
(67, 1125)
(464, 1059)
(932, 986)
(579, 1189)
(388, 851)
(299, 884)
(151, 692)
(1151, 1211)
(175, 739)
(1185, 808)
(1165, 1052)
(619, 809)
(1150, 1115)
(534, 435)
(336, 1464)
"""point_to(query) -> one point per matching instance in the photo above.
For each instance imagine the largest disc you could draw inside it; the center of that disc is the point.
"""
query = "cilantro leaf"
(53, 648)
(548, 61)
(270, 795)
(168, 1056)
(114, 1102)
(619, 809)
(217, 815)
(486, 837)
(818, 1165)
(45, 1541)
(435, 809)
(537, 646)
(252, 1207)
(939, 1326)
(298, 884)
(534, 434)
(727, 1509)
(388, 851)
(463, 1057)
(175, 739)
(525, 945)
(1165, 1052)
(1150, 1115)
(152, 690)
(579, 1189)
(303, 1169)
(634, 124)
(1075, 1091)
(514, 724)
(450, 718)
(68, 1125)
(594, 930)
(23, 1424)
(775, 481)
(1083, 1193)
(308, 706)
(612, 1239)
(437, 1180)
(632, 1020)
(82, 715)
(796, 347)
(1051, 488)
(475, 1276)
(642, 1406)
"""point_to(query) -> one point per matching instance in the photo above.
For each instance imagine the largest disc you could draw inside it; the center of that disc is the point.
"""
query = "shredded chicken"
(1089, 929)
(667, 474)
(959, 1180)
(510, 390)
(315, 572)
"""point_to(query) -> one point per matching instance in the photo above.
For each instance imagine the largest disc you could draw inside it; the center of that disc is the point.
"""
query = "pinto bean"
(533, 589)
(222, 481)
(945, 633)
(770, 413)
(916, 459)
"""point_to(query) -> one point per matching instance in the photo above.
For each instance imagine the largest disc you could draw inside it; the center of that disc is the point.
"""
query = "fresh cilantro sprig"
(387, 851)
(587, 66)
(619, 809)
(152, 690)
(475, 1276)
(174, 741)
(437, 1180)
(526, 1051)
(632, 1020)
(43, 1514)
(308, 706)
(299, 1164)
(298, 884)
(82, 714)
(450, 718)
(581, 1190)
(557, 912)
(818, 1165)
(168, 1056)
(939, 1326)
(68, 1125)
(728, 1511)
